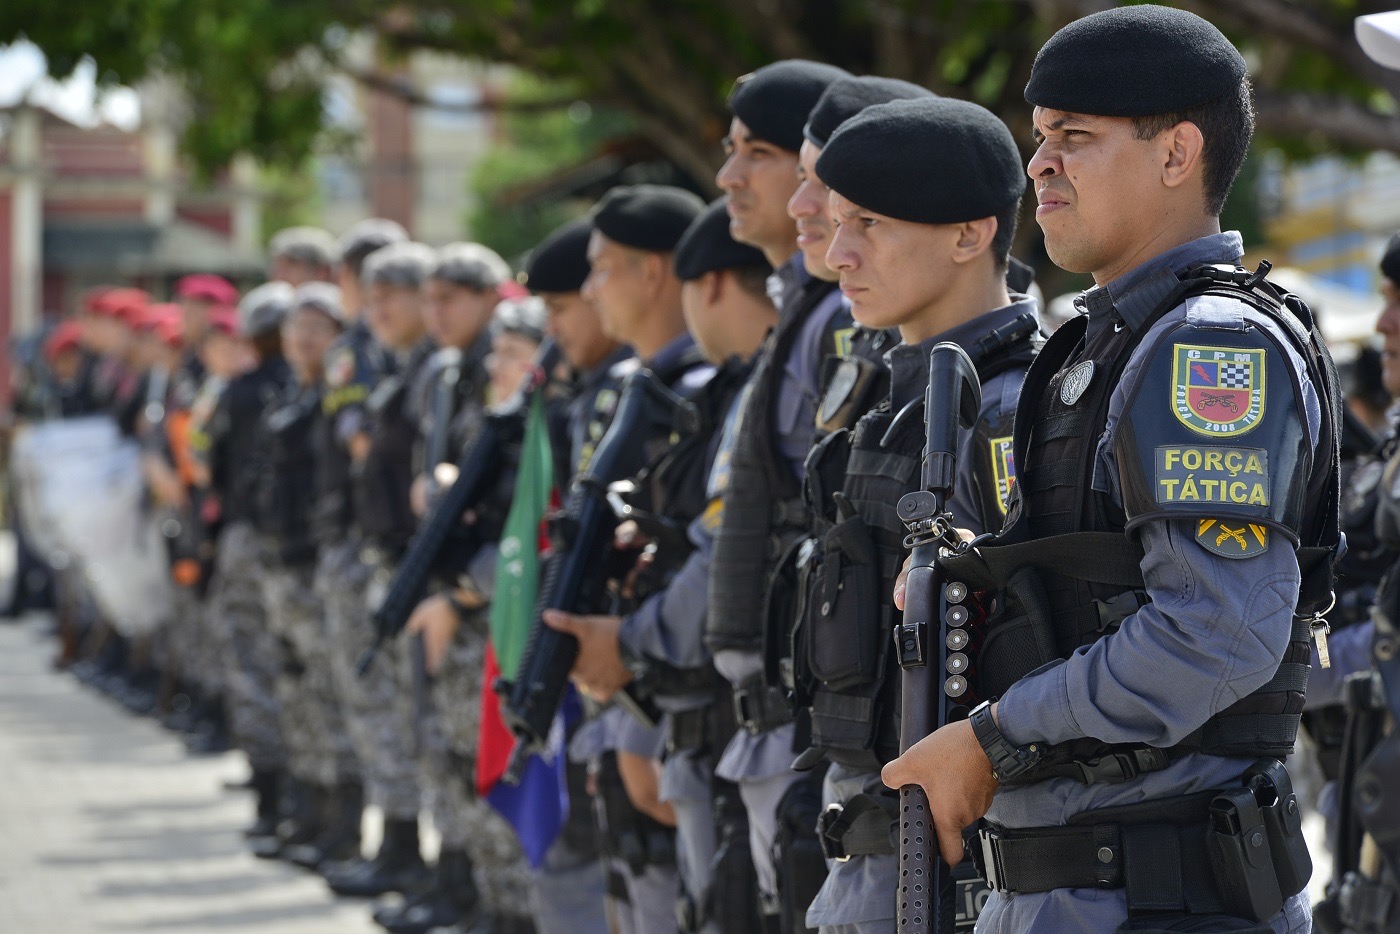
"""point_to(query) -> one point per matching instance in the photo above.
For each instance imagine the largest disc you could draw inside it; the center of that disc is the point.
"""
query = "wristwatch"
(1008, 761)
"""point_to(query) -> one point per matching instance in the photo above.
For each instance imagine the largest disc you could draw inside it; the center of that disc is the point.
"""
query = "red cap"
(67, 336)
(224, 319)
(153, 315)
(209, 287)
(512, 291)
(126, 305)
(171, 332)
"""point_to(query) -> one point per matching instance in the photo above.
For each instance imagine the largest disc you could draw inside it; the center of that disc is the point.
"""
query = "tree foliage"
(253, 68)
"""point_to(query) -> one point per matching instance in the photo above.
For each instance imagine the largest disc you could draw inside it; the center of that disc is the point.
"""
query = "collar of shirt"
(667, 356)
(594, 375)
(786, 280)
(476, 354)
(909, 363)
(1137, 292)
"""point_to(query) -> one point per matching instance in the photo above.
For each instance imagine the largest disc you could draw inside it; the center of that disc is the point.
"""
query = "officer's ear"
(712, 285)
(654, 267)
(1182, 149)
(974, 239)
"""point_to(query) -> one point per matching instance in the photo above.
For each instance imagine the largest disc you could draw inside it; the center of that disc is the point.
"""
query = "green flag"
(518, 564)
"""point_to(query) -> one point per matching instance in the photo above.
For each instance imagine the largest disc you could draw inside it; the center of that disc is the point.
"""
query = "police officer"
(219, 356)
(383, 524)
(252, 652)
(633, 285)
(762, 508)
(301, 254)
(325, 822)
(659, 644)
(570, 886)
(353, 364)
(931, 261)
(1162, 548)
(460, 295)
(1360, 569)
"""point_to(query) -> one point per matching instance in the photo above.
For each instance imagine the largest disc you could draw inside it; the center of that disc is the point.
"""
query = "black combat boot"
(339, 837)
(210, 735)
(267, 786)
(397, 867)
(450, 900)
(304, 817)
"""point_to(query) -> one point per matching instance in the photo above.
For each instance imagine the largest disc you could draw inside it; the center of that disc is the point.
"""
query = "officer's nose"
(1043, 164)
(728, 176)
(839, 256)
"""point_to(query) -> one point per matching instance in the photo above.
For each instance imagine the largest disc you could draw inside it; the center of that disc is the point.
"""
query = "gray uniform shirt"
(1213, 633)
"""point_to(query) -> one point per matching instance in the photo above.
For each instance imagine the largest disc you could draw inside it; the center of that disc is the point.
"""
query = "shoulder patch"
(1217, 391)
(1230, 538)
(1003, 469)
(605, 403)
(841, 341)
(341, 368)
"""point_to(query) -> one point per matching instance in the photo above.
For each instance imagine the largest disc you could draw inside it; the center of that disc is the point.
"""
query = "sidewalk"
(110, 826)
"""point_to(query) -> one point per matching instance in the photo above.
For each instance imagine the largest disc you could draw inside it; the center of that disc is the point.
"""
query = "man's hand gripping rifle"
(576, 572)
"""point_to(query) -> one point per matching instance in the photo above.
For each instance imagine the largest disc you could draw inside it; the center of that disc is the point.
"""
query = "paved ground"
(109, 826)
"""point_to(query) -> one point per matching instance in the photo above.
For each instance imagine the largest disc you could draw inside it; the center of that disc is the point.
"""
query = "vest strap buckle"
(1121, 765)
(1114, 610)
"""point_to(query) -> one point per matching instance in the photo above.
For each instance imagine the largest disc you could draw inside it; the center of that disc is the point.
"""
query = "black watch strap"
(1008, 761)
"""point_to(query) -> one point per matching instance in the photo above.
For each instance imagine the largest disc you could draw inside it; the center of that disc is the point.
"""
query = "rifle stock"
(575, 573)
(477, 470)
(933, 610)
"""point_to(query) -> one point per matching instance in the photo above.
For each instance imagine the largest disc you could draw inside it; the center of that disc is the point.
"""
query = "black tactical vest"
(843, 670)
(286, 486)
(333, 515)
(763, 508)
(1089, 582)
(382, 482)
(236, 454)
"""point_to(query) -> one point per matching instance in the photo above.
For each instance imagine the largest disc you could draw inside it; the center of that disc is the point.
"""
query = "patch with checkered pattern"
(1217, 391)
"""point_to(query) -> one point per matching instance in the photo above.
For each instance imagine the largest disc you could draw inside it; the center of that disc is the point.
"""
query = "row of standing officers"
(1152, 498)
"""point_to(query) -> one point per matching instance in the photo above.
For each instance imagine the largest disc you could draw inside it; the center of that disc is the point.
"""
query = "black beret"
(1390, 260)
(934, 160)
(846, 97)
(560, 262)
(646, 217)
(708, 246)
(1134, 61)
(774, 101)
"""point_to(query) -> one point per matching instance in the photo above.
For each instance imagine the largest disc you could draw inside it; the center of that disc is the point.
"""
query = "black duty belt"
(688, 729)
(759, 707)
(1157, 851)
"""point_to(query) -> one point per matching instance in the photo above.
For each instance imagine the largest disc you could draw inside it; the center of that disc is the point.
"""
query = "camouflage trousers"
(318, 746)
(193, 641)
(252, 654)
(450, 728)
(382, 742)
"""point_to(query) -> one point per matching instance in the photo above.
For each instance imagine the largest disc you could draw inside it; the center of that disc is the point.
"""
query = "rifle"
(477, 471)
(928, 657)
(576, 571)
